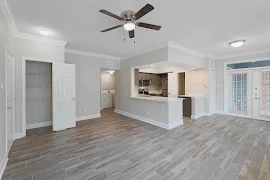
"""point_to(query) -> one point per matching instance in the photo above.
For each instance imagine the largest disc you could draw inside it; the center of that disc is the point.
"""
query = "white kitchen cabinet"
(106, 100)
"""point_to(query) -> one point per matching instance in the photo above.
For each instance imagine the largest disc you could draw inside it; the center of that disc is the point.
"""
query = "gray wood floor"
(116, 147)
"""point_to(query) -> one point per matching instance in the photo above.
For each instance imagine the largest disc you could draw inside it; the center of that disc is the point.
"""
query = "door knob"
(9, 108)
(256, 98)
(73, 99)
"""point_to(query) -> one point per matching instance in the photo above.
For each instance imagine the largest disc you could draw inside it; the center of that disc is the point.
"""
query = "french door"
(249, 93)
(261, 93)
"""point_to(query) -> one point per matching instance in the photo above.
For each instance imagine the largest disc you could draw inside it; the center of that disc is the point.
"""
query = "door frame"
(24, 59)
(13, 95)
(226, 83)
(249, 91)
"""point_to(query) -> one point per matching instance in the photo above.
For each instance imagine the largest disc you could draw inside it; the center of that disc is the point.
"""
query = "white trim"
(24, 59)
(9, 16)
(261, 51)
(185, 49)
(220, 112)
(17, 136)
(38, 125)
(40, 39)
(197, 116)
(150, 121)
(83, 118)
(175, 124)
(84, 53)
(3, 165)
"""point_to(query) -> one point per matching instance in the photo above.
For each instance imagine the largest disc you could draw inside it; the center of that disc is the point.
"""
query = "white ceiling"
(204, 26)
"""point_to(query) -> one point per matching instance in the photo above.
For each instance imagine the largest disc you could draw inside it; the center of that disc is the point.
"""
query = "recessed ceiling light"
(237, 43)
(192, 68)
(151, 65)
(44, 32)
(129, 26)
(111, 72)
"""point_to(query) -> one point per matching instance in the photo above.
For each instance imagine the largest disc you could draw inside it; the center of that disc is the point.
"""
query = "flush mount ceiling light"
(44, 32)
(237, 43)
(129, 26)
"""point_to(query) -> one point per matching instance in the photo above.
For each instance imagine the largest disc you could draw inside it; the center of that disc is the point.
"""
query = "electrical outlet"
(84, 109)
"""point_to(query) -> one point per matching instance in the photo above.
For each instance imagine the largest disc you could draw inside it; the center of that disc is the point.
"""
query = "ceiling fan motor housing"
(128, 16)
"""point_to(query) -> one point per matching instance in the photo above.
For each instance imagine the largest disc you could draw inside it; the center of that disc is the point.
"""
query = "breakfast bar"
(164, 112)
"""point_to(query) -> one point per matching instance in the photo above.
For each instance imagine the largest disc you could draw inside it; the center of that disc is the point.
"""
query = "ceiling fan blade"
(111, 14)
(146, 9)
(149, 26)
(131, 34)
(109, 29)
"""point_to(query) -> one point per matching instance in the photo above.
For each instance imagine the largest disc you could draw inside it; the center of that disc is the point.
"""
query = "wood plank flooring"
(116, 147)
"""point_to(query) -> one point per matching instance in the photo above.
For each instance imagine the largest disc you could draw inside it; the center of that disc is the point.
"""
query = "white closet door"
(64, 96)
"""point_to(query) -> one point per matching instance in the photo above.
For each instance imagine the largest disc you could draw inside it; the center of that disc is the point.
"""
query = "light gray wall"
(219, 65)
(178, 56)
(88, 79)
(33, 49)
(5, 39)
(108, 82)
(123, 87)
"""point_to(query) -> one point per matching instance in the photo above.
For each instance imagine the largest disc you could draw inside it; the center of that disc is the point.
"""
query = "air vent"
(110, 63)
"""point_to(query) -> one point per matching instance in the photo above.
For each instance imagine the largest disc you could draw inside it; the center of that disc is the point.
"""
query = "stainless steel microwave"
(145, 82)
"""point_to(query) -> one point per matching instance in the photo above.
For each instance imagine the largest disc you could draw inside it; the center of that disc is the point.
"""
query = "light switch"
(2, 86)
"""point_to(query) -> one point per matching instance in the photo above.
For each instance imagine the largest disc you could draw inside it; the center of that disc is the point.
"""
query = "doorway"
(107, 94)
(55, 84)
(249, 92)
(10, 99)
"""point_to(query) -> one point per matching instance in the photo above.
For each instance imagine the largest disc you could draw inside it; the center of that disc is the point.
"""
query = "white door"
(173, 85)
(240, 93)
(212, 85)
(64, 96)
(261, 94)
(10, 99)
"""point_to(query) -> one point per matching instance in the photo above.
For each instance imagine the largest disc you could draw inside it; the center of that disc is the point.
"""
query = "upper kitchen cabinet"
(136, 77)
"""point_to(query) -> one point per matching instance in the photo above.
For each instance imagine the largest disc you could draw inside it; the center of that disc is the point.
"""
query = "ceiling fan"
(129, 18)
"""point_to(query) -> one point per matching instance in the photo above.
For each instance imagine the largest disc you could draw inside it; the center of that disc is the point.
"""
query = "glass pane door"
(261, 105)
(238, 93)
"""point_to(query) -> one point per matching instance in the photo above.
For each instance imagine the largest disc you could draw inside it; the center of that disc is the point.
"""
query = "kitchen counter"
(157, 98)
(192, 96)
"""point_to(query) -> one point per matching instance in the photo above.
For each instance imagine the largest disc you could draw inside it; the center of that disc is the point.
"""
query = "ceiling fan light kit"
(129, 26)
(129, 19)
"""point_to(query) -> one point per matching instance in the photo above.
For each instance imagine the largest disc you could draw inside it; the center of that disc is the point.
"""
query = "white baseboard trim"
(220, 112)
(3, 165)
(82, 118)
(149, 121)
(38, 125)
(17, 136)
(197, 116)
(175, 124)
